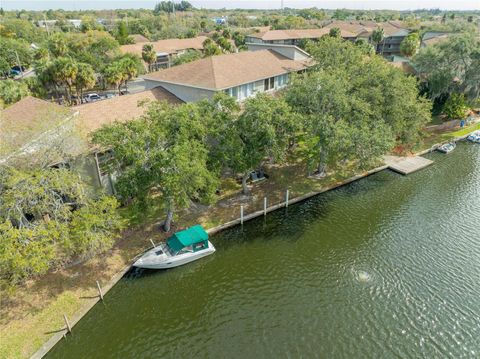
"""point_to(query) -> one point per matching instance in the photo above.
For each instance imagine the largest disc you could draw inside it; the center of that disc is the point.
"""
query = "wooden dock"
(406, 165)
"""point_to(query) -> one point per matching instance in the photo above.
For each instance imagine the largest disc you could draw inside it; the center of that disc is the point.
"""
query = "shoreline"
(54, 339)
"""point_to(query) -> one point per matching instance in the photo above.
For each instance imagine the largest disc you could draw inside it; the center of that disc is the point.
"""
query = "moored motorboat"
(474, 137)
(181, 248)
(447, 147)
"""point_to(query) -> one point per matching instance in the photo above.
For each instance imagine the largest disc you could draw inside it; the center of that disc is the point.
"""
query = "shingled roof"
(225, 71)
(292, 34)
(120, 108)
(27, 121)
(169, 46)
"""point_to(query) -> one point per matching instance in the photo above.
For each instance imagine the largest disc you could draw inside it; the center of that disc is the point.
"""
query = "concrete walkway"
(406, 165)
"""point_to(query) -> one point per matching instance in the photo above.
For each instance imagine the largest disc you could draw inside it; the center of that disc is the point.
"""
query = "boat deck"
(406, 165)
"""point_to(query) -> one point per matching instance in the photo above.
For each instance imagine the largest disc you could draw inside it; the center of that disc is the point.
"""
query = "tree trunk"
(321, 164)
(168, 221)
(244, 183)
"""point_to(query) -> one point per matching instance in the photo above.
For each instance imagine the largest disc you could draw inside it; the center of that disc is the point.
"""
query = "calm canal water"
(386, 267)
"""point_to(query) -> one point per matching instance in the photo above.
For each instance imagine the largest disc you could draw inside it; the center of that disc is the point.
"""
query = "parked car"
(17, 70)
(92, 97)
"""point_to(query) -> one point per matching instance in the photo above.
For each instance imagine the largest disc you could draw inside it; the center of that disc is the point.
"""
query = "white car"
(92, 97)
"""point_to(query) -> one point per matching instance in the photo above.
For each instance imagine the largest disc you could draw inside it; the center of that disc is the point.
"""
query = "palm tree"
(149, 55)
(85, 79)
(113, 75)
(65, 71)
(129, 69)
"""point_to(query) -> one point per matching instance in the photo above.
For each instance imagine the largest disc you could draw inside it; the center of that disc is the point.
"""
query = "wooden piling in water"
(153, 243)
(286, 198)
(99, 290)
(264, 206)
(69, 328)
(241, 214)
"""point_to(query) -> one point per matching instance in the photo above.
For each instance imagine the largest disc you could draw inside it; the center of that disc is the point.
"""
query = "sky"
(250, 4)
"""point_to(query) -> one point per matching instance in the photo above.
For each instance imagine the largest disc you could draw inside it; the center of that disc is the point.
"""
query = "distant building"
(433, 37)
(139, 39)
(393, 37)
(220, 20)
(292, 36)
(166, 50)
(240, 75)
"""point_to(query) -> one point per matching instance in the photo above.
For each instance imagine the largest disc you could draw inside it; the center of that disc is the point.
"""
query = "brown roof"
(26, 121)
(225, 71)
(170, 46)
(354, 27)
(120, 108)
(138, 38)
(272, 35)
(435, 40)
(391, 28)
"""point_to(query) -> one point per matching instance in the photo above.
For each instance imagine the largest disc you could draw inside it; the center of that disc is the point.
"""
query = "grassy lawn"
(32, 314)
(437, 137)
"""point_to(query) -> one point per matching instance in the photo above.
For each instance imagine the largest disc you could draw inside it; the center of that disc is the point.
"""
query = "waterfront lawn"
(32, 314)
(438, 137)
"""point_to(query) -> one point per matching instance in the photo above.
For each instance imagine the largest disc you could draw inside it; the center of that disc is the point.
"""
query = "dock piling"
(241, 214)
(99, 291)
(69, 328)
(286, 198)
(264, 206)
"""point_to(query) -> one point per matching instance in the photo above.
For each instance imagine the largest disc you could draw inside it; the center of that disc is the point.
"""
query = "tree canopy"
(47, 218)
(451, 66)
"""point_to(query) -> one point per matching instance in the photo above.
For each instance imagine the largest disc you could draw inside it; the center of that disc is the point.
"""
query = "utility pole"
(46, 25)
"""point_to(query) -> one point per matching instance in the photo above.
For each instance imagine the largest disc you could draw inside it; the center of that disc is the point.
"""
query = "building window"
(281, 80)
(269, 83)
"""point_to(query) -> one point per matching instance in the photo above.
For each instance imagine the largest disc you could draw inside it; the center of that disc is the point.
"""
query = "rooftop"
(138, 38)
(170, 46)
(225, 71)
(275, 35)
(27, 120)
(120, 108)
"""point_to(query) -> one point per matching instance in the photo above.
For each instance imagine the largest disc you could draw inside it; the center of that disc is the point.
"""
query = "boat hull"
(173, 261)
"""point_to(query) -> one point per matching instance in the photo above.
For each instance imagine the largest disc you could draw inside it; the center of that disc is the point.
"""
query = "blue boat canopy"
(194, 236)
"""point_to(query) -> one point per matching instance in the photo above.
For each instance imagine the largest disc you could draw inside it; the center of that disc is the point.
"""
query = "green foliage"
(210, 48)
(366, 47)
(46, 218)
(355, 106)
(149, 55)
(451, 66)
(122, 70)
(12, 91)
(239, 39)
(312, 14)
(455, 107)
(9, 49)
(335, 32)
(188, 56)
(170, 6)
(410, 44)
(121, 34)
(378, 35)
(163, 153)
